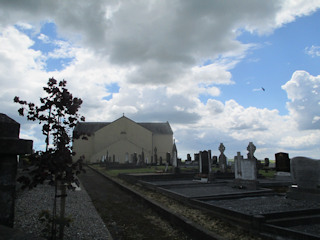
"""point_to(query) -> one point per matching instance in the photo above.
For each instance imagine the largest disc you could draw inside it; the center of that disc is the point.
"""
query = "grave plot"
(248, 201)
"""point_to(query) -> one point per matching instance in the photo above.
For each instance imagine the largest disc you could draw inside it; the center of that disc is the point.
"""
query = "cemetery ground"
(126, 227)
(228, 212)
(217, 209)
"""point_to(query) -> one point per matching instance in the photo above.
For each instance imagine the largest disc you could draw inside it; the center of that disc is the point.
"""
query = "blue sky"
(273, 62)
(201, 67)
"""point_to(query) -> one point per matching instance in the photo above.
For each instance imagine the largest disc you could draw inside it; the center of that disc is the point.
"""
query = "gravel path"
(86, 222)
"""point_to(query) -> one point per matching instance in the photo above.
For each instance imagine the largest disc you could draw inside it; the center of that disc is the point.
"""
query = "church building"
(122, 141)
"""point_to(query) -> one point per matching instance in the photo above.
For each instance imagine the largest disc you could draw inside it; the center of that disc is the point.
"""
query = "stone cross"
(10, 147)
(222, 148)
(222, 159)
(251, 149)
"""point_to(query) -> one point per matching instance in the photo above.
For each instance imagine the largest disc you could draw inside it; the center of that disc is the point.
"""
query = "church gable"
(122, 138)
(122, 129)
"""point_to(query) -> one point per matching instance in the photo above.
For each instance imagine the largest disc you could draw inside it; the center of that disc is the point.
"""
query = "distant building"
(122, 141)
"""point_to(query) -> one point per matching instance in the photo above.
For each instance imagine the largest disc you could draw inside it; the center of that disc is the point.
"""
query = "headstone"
(188, 157)
(204, 163)
(142, 157)
(139, 160)
(266, 162)
(214, 160)
(155, 156)
(175, 161)
(135, 158)
(282, 162)
(222, 159)
(127, 158)
(196, 157)
(168, 157)
(209, 155)
(10, 147)
(305, 175)
(245, 172)
(166, 168)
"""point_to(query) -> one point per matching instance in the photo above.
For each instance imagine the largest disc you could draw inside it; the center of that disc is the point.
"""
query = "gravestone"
(209, 155)
(155, 156)
(245, 170)
(143, 158)
(135, 158)
(196, 157)
(266, 162)
(10, 147)
(168, 157)
(214, 160)
(188, 157)
(222, 159)
(282, 162)
(204, 163)
(139, 160)
(175, 159)
(306, 178)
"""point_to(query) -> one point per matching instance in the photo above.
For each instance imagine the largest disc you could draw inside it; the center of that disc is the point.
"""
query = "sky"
(229, 72)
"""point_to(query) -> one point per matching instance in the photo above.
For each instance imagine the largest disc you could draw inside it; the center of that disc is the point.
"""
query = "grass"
(269, 174)
(154, 169)
(115, 172)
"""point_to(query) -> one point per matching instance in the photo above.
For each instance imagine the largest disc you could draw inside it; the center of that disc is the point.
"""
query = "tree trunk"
(62, 210)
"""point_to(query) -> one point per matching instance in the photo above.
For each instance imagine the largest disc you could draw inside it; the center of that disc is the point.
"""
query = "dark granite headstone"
(196, 157)
(205, 162)
(282, 162)
(10, 147)
(214, 160)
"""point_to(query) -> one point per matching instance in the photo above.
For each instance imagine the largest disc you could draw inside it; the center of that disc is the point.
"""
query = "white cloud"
(303, 92)
(290, 9)
(177, 35)
(313, 51)
(44, 38)
(155, 55)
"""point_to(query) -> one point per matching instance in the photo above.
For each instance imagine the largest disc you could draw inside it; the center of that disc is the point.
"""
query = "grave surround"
(10, 147)
(306, 178)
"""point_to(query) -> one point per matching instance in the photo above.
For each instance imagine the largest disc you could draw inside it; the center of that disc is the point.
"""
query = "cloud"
(155, 53)
(303, 91)
(290, 10)
(160, 40)
(313, 51)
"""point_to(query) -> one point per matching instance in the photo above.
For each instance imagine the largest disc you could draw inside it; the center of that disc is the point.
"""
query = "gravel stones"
(86, 222)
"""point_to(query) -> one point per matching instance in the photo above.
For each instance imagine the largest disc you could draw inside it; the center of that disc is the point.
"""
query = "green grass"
(116, 172)
(269, 174)
(154, 169)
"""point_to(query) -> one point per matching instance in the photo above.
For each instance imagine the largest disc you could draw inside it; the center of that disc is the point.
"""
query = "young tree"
(58, 114)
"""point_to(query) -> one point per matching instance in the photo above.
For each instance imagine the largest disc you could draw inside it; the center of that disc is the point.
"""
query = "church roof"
(88, 128)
